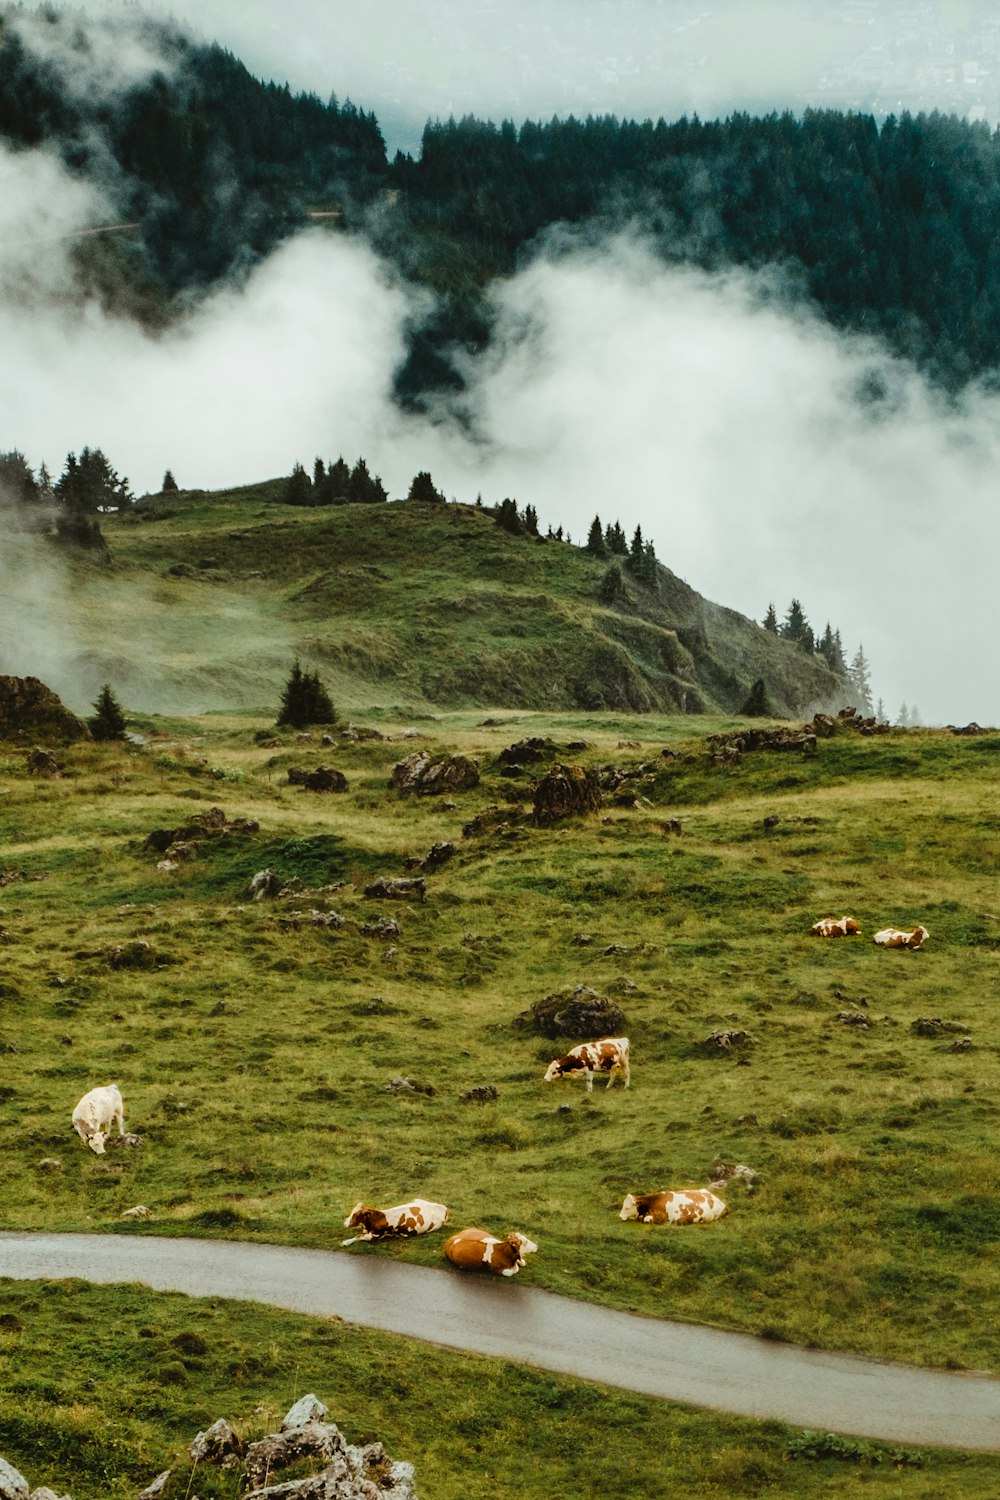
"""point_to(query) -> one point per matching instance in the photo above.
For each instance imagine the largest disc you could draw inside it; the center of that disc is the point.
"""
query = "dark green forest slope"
(892, 229)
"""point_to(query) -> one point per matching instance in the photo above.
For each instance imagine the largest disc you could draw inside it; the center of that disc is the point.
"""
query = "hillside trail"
(730, 1372)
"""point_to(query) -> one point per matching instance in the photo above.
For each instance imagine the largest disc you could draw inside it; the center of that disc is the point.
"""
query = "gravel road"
(729, 1372)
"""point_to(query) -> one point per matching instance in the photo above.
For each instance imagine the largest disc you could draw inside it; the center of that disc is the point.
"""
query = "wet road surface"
(728, 1372)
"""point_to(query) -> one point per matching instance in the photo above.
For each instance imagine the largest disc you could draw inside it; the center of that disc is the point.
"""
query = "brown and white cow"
(416, 1217)
(836, 927)
(477, 1250)
(609, 1055)
(689, 1206)
(895, 937)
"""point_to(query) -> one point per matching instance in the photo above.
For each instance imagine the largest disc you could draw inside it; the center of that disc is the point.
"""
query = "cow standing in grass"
(95, 1114)
(610, 1055)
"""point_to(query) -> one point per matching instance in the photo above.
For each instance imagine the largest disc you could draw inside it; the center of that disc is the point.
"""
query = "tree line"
(796, 629)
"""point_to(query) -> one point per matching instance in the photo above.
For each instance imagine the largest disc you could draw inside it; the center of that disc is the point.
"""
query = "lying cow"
(691, 1206)
(894, 937)
(416, 1217)
(476, 1250)
(836, 927)
(610, 1055)
(95, 1114)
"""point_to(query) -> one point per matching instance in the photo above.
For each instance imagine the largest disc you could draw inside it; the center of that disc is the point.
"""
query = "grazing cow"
(95, 1113)
(610, 1055)
(894, 937)
(416, 1217)
(836, 927)
(476, 1250)
(691, 1206)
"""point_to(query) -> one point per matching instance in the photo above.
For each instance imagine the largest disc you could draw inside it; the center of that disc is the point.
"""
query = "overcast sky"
(725, 422)
(532, 58)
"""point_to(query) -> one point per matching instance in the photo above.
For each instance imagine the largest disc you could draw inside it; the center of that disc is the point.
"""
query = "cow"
(477, 1250)
(894, 937)
(688, 1206)
(836, 927)
(610, 1055)
(93, 1116)
(416, 1217)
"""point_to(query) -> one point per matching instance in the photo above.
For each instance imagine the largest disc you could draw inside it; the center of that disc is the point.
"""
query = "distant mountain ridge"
(890, 230)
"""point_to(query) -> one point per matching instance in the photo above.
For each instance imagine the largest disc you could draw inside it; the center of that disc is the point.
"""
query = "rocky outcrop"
(343, 1470)
(322, 779)
(31, 711)
(429, 776)
(184, 841)
(565, 792)
(403, 889)
(579, 1012)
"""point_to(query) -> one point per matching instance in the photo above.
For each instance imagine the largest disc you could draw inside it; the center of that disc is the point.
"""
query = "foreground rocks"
(565, 792)
(29, 711)
(429, 775)
(343, 1471)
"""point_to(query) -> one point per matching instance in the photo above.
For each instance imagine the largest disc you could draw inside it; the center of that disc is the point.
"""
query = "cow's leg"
(119, 1116)
(611, 1078)
(590, 1083)
(627, 1073)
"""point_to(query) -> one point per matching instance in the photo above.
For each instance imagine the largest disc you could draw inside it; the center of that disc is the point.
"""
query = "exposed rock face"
(565, 792)
(13, 1485)
(403, 889)
(722, 746)
(184, 841)
(430, 775)
(31, 711)
(526, 752)
(42, 763)
(322, 779)
(580, 1012)
(215, 1444)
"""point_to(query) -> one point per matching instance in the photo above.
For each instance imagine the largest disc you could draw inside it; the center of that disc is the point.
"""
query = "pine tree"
(795, 622)
(758, 705)
(770, 620)
(595, 539)
(337, 484)
(903, 717)
(304, 700)
(169, 485)
(319, 474)
(108, 719)
(422, 487)
(507, 518)
(915, 720)
(90, 484)
(860, 680)
(531, 520)
(880, 711)
(298, 489)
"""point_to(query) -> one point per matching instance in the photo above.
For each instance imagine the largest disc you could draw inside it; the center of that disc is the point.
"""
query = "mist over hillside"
(616, 361)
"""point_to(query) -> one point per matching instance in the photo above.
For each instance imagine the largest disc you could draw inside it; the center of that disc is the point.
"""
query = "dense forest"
(890, 228)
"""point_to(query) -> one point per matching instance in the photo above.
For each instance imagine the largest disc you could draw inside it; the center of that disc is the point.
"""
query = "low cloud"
(766, 455)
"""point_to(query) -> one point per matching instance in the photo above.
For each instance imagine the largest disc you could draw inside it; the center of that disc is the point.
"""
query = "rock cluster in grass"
(578, 1012)
(565, 792)
(185, 841)
(429, 775)
(343, 1470)
(322, 779)
(31, 711)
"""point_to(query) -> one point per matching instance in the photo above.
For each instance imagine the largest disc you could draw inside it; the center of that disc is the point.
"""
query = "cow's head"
(850, 925)
(918, 935)
(523, 1245)
(560, 1066)
(96, 1142)
(355, 1217)
(630, 1209)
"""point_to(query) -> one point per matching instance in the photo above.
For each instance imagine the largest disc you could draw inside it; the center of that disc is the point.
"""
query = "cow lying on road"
(691, 1206)
(894, 937)
(416, 1217)
(836, 927)
(610, 1055)
(476, 1250)
(93, 1116)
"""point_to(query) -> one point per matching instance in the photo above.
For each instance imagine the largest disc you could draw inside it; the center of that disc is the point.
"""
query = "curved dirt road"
(730, 1372)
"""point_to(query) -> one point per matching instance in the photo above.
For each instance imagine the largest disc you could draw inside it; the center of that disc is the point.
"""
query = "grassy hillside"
(254, 1046)
(408, 605)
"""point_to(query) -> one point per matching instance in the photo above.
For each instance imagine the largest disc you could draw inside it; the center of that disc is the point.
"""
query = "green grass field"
(254, 1061)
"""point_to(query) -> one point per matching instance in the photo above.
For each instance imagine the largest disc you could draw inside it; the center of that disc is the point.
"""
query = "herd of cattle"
(477, 1249)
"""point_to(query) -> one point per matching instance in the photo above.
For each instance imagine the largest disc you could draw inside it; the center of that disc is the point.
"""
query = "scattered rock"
(726, 1040)
(215, 1444)
(139, 953)
(49, 1164)
(972, 728)
(385, 927)
(265, 883)
(403, 1085)
(322, 779)
(579, 1012)
(724, 1172)
(307, 1409)
(439, 854)
(526, 752)
(485, 1093)
(565, 792)
(13, 1485)
(314, 1440)
(292, 921)
(581, 939)
(403, 889)
(771, 822)
(493, 819)
(358, 732)
(672, 826)
(722, 747)
(212, 826)
(962, 1044)
(31, 711)
(934, 1026)
(629, 745)
(155, 1490)
(140, 1211)
(428, 775)
(43, 763)
(855, 1018)
(847, 720)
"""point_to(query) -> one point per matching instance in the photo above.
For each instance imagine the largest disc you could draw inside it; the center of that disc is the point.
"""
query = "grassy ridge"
(210, 595)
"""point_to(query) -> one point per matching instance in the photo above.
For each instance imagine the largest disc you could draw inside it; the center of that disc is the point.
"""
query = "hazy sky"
(727, 423)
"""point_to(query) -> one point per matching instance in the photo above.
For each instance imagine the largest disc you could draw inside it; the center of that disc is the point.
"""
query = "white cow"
(95, 1113)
